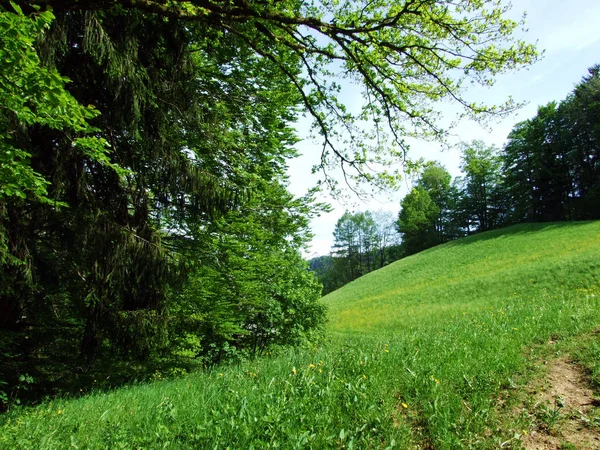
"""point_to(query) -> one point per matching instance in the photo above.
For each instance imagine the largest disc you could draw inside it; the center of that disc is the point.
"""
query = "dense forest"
(144, 212)
(548, 171)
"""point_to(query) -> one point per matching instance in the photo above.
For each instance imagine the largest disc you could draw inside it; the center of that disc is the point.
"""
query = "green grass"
(418, 355)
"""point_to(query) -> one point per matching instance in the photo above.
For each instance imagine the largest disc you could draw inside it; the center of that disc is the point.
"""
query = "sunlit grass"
(470, 274)
(418, 354)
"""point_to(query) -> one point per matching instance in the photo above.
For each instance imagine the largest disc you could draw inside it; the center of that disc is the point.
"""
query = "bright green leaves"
(31, 94)
(418, 213)
(250, 288)
(397, 59)
(404, 56)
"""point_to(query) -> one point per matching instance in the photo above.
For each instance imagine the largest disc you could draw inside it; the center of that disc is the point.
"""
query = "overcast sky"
(569, 32)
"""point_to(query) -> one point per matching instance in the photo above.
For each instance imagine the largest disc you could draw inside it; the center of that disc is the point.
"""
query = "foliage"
(323, 269)
(423, 354)
(482, 195)
(32, 94)
(355, 237)
(428, 214)
(252, 289)
(402, 56)
(200, 127)
(417, 220)
(387, 238)
(364, 242)
(551, 160)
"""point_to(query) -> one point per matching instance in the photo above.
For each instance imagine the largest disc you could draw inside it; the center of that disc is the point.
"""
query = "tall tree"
(436, 180)
(581, 116)
(417, 221)
(482, 198)
(190, 117)
(31, 95)
(536, 166)
(403, 55)
(387, 238)
(250, 288)
(355, 238)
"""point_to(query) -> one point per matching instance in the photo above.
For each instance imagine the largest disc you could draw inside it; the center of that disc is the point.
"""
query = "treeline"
(363, 242)
(549, 170)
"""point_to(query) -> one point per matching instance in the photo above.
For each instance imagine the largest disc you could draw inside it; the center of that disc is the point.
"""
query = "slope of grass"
(420, 350)
(467, 275)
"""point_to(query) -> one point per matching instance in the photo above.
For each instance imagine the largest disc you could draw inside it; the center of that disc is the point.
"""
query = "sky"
(568, 33)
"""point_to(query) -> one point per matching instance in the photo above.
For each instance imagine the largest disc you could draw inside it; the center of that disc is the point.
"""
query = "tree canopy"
(402, 57)
(551, 160)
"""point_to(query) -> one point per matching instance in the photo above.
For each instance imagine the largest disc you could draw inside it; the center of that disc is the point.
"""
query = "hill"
(467, 275)
(432, 351)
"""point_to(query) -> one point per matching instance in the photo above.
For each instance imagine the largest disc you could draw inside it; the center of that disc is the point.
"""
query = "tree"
(416, 221)
(388, 239)
(551, 160)
(323, 269)
(429, 213)
(435, 179)
(32, 95)
(250, 289)
(581, 117)
(536, 165)
(482, 198)
(363, 242)
(403, 55)
(355, 237)
(196, 122)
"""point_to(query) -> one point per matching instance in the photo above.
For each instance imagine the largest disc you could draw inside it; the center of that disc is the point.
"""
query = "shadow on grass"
(39, 364)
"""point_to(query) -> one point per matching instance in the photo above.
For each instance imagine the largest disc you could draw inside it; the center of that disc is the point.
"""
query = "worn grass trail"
(418, 354)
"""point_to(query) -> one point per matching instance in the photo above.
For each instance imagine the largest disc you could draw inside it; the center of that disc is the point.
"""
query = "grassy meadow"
(418, 355)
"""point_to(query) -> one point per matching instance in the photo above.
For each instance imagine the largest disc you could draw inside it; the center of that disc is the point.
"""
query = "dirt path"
(564, 411)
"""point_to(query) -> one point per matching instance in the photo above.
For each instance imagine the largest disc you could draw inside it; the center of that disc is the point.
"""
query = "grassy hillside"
(421, 352)
(468, 275)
